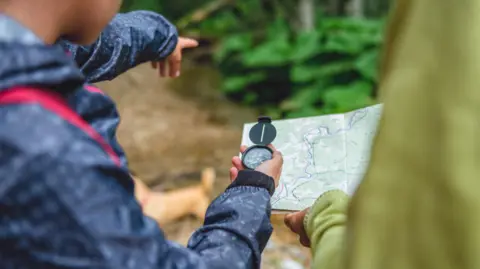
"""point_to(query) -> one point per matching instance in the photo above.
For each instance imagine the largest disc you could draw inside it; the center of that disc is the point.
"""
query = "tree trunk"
(356, 8)
(306, 14)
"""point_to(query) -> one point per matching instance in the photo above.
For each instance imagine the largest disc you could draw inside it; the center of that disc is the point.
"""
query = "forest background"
(286, 58)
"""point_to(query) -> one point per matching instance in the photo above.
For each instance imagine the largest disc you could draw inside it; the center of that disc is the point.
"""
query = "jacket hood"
(27, 61)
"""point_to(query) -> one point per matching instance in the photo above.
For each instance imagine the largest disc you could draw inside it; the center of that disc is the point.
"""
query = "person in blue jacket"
(65, 202)
(128, 40)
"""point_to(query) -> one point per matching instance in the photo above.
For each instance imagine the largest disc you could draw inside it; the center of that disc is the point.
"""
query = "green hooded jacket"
(418, 206)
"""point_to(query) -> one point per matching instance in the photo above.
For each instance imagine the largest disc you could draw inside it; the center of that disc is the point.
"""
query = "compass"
(262, 134)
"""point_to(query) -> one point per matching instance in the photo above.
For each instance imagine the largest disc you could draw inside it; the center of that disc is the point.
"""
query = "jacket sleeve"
(418, 204)
(129, 40)
(325, 224)
(84, 218)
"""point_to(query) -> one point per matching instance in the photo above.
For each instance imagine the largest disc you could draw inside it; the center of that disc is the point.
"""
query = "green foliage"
(173, 10)
(286, 72)
(129, 5)
(329, 70)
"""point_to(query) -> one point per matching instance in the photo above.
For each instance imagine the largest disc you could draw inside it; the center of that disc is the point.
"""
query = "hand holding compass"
(262, 134)
(261, 157)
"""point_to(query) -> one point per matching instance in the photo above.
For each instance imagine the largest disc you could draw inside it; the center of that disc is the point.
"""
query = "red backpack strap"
(55, 103)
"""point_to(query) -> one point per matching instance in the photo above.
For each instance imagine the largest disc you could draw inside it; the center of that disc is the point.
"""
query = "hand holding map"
(320, 154)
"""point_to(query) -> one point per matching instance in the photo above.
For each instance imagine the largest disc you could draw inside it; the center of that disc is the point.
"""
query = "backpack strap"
(55, 103)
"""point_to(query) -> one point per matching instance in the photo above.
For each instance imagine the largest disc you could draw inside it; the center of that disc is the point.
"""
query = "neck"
(32, 15)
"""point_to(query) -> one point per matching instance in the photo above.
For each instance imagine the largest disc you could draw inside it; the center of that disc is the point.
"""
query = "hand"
(272, 168)
(294, 221)
(174, 60)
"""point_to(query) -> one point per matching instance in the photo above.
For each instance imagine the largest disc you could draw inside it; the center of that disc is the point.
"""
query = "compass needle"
(263, 131)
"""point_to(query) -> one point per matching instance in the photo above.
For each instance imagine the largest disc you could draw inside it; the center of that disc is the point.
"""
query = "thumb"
(277, 157)
(288, 219)
(292, 221)
(188, 42)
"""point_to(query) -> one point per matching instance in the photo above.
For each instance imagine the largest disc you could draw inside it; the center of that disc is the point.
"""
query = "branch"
(202, 13)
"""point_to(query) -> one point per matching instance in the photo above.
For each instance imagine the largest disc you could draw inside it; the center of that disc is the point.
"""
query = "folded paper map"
(320, 154)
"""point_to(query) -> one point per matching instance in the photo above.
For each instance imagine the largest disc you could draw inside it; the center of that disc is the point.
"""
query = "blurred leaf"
(348, 97)
(304, 73)
(239, 83)
(306, 96)
(129, 5)
(351, 36)
(305, 111)
(343, 42)
(273, 112)
(274, 51)
(307, 45)
(232, 44)
(278, 29)
(250, 98)
(219, 25)
(367, 64)
(370, 26)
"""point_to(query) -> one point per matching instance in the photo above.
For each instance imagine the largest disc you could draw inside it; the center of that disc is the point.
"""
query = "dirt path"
(167, 134)
(173, 129)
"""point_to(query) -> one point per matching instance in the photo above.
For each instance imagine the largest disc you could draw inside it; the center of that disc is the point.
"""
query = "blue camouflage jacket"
(65, 204)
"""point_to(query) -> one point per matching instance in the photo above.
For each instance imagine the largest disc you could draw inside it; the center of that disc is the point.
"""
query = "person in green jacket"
(418, 206)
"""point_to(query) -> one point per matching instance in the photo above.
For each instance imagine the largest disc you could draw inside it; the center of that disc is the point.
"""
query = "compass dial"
(255, 156)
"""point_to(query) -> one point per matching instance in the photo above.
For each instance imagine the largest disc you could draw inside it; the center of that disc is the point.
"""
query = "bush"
(286, 73)
(329, 70)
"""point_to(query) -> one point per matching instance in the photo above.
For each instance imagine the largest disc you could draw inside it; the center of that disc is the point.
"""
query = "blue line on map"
(311, 161)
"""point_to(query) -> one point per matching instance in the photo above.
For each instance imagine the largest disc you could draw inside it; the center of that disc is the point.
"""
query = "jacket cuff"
(169, 47)
(255, 179)
(330, 203)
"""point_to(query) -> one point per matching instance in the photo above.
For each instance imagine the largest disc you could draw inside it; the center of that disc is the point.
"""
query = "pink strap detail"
(91, 88)
(55, 103)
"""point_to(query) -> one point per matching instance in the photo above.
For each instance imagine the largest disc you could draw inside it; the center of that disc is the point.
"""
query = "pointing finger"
(186, 43)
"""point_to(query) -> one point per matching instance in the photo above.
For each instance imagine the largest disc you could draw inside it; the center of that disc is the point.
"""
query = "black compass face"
(256, 155)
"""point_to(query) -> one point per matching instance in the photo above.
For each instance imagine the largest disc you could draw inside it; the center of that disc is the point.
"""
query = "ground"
(172, 129)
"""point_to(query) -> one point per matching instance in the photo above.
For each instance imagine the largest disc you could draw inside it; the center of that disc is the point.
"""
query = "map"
(320, 154)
